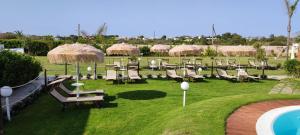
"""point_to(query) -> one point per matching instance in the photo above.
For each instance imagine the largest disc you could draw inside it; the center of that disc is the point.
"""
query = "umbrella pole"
(66, 68)
(77, 70)
(95, 71)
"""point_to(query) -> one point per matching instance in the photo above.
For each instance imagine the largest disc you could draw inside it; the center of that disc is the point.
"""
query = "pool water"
(287, 123)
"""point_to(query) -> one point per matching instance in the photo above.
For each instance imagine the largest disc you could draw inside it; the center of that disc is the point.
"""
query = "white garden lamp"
(199, 70)
(153, 64)
(184, 86)
(89, 69)
(6, 91)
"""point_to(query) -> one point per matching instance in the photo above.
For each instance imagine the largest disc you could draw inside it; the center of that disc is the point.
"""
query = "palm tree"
(19, 34)
(101, 33)
(291, 7)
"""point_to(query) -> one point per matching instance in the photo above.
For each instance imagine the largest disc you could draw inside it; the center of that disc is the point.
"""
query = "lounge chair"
(185, 61)
(56, 82)
(192, 74)
(74, 93)
(133, 75)
(171, 73)
(220, 63)
(64, 77)
(111, 75)
(74, 100)
(224, 75)
(242, 72)
(232, 63)
(117, 64)
(165, 64)
(270, 67)
(253, 64)
(199, 64)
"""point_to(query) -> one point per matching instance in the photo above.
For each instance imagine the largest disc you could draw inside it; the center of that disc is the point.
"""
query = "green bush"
(32, 47)
(17, 69)
(145, 50)
(36, 48)
(293, 67)
(12, 43)
(210, 52)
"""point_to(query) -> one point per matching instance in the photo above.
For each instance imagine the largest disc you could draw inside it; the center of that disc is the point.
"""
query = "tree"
(260, 52)
(19, 34)
(291, 7)
(164, 37)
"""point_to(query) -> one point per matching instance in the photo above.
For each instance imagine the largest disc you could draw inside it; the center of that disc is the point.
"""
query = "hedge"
(32, 47)
(17, 69)
(12, 43)
(36, 48)
(293, 67)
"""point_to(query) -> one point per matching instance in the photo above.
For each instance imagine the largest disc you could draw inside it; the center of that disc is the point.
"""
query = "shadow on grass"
(141, 81)
(142, 94)
(107, 102)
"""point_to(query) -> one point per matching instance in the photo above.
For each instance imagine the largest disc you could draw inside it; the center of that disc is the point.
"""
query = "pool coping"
(264, 124)
(243, 120)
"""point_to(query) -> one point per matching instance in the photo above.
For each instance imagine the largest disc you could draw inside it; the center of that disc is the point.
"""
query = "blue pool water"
(287, 123)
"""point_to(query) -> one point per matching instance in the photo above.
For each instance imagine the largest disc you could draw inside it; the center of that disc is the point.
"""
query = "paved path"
(21, 93)
(284, 87)
(278, 77)
(243, 120)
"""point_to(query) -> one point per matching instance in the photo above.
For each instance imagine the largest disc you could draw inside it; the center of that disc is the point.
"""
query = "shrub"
(37, 48)
(17, 69)
(210, 52)
(145, 50)
(292, 67)
(12, 43)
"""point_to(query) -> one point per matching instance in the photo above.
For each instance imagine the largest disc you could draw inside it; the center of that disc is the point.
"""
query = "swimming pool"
(279, 121)
(287, 123)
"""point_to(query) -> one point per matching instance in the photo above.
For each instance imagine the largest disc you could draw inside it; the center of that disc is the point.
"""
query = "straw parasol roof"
(122, 49)
(237, 50)
(72, 53)
(159, 48)
(184, 50)
(298, 54)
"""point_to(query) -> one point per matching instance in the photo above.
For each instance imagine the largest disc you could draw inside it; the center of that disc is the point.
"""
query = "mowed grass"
(59, 69)
(150, 108)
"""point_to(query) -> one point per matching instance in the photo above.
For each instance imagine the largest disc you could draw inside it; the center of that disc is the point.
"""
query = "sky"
(144, 17)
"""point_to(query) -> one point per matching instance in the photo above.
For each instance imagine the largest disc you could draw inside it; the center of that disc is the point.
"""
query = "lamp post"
(263, 64)
(6, 91)
(184, 86)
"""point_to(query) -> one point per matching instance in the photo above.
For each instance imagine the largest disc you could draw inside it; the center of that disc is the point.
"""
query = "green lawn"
(151, 108)
(59, 69)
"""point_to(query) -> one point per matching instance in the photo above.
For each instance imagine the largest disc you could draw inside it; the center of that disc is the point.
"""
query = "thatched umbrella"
(298, 54)
(159, 48)
(75, 53)
(237, 50)
(123, 49)
(184, 50)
